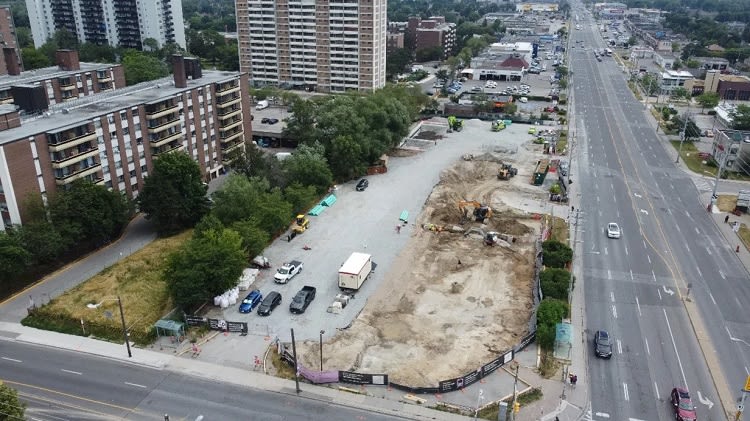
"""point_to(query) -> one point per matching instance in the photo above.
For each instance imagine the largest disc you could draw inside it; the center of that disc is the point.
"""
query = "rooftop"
(31, 76)
(84, 109)
(676, 73)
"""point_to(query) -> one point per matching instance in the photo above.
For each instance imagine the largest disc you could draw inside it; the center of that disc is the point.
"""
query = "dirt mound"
(449, 303)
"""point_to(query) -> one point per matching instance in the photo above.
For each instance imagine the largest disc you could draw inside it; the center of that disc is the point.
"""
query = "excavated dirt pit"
(433, 318)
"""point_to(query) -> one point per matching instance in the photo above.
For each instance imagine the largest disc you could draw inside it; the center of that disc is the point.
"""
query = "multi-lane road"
(635, 286)
(60, 385)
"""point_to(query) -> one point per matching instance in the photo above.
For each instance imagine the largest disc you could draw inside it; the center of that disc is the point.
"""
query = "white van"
(524, 99)
(283, 155)
(262, 105)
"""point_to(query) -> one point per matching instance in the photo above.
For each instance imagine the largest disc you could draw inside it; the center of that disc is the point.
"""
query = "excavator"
(506, 171)
(481, 212)
(498, 125)
(301, 224)
(455, 124)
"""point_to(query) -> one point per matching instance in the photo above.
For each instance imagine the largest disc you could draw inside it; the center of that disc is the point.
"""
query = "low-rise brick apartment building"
(432, 32)
(113, 138)
(68, 80)
(8, 41)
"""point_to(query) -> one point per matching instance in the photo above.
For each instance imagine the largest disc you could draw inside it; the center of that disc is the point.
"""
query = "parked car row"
(267, 304)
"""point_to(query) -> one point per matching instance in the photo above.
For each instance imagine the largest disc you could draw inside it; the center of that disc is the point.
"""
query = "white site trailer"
(355, 271)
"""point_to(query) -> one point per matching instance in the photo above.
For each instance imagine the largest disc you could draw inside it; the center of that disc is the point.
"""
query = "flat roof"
(86, 108)
(354, 263)
(32, 76)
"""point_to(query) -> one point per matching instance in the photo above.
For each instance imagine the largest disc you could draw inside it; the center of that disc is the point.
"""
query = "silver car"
(613, 230)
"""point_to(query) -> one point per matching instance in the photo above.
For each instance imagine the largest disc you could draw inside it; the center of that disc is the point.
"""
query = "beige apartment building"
(324, 46)
(113, 138)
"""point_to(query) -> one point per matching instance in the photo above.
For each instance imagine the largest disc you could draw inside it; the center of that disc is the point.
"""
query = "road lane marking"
(619, 347)
(625, 389)
(656, 389)
(136, 385)
(687, 213)
(644, 243)
(631, 274)
(609, 274)
(678, 228)
(699, 271)
(600, 214)
(697, 231)
(614, 199)
(602, 414)
(649, 258)
(679, 360)
(614, 311)
(44, 389)
(77, 373)
(648, 351)
(658, 291)
(747, 371)
(618, 214)
(737, 300)
(686, 246)
(605, 251)
(637, 303)
(709, 252)
(612, 296)
(724, 277)
(712, 298)
(597, 198)
(626, 251)
(612, 185)
(653, 275)
(12, 359)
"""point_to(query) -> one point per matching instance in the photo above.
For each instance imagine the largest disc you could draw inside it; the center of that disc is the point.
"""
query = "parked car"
(272, 300)
(264, 120)
(684, 410)
(362, 185)
(303, 299)
(602, 344)
(532, 130)
(563, 168)
(273, 120)
(251, 301)
(613, 230)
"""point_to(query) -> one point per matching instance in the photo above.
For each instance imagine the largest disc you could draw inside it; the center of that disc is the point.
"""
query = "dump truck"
(355, 271)
(287, 271)
(301, 224)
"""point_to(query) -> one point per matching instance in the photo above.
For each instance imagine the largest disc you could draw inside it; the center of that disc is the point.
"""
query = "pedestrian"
(398, 229)
(459, 262)
(574, 379)
(726, 219)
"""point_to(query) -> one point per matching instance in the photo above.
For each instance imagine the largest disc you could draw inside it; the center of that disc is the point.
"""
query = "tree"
(308, 166)
(14, 258)
(23, 35)
(632, 41)
(554, 283)
(174, 195)
(442, 74)
(241, 199)
(556, 254)
(96, 53)
(429, 54)
(549, 314)
(510, 108)
(11, 408)
(254, 238)
(301, 197)
(89, 214)
(708, 100)
(65, 39)
(396, 62)
(43, 240)
(204, 267)
(150, 44)
(34, 59)
(741, 117)
(679, 93)
(142, 67)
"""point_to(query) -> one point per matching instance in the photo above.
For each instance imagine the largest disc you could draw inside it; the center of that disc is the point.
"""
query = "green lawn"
(690, 156)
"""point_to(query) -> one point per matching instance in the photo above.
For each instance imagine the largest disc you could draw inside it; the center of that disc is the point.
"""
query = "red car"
(682, 405)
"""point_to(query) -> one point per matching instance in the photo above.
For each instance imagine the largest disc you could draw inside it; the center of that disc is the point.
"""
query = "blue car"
(251, 301)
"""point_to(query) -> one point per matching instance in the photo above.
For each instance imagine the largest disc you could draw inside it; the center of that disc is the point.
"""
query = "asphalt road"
(59, 385)
(634, 285)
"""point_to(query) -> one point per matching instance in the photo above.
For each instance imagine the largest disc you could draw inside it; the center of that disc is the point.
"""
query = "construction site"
(460, 293)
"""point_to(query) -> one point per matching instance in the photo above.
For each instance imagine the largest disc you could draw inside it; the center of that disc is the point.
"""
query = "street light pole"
(124, 328)
(321, 349)
(718, 173)
(683, 134)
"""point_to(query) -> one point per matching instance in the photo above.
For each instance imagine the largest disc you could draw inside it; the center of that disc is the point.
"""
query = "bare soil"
(450, 303)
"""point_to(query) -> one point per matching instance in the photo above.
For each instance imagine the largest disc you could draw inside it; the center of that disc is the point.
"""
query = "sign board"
(362, 378)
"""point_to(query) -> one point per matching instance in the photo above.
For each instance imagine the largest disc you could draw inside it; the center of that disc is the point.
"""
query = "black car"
(270, 302)
(602, 344)
(264, 120)
(362, 185)
(273, 120)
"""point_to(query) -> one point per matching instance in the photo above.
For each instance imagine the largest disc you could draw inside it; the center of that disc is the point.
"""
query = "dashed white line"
(136, 385)
(644, 243)
(637, 303)
(699, 271)
(600, 214)
(687, 247)
(709, 252)
(747, 371)
(712, 298)
(687, 213)
(724, 277)
(614, 199)
(602, 414)
(605, 251)
(649, 258)
(77, 373)
(656, 389)
(648, 350)
(697, 231)
(631, 274)
(737, 300)
(658, 291)
(678, 228)
(626, 251)
(612, 296)
(12, 359)
(618, 214)
(653, 275)
(614, 311)
(625, 390)
(609, 274)
(597, 198)
(619, 347)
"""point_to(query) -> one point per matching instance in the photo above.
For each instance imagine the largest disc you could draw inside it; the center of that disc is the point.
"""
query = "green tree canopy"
(14, 258)
(242, 199)
(254, 238)
(300, 196)
(308, 166)
(554, 283)
(34, 59)
(396, 61)
(142, 67)
(204, 267)
(741, 117)
(708, 99)
(556, 254)
(173, 195)
(11, 408)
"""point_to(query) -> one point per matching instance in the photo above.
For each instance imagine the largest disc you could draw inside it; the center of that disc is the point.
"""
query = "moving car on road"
(272, 300)
(613, 230)
(253, 299)
(602, 344)
(362, 185)
(684, 410)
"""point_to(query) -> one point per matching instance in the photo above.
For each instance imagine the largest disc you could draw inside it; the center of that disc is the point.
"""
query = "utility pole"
(296, 367)
(573, 248)
(515, 407)
(718, 173)
(683, 134)
(124, 328)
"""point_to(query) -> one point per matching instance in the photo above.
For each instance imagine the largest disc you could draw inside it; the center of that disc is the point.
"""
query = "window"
(132, 173)
(111, 119)
(123, 115)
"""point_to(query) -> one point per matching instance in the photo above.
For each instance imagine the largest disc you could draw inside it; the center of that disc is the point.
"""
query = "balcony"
(67, 88)
(227, 88)
(166, 139)
(158, 124)
(6, 100)
(229, 148)
(78, 174)
(161, 111)
(228, 101)
(74, 158)
(174, 146)
(228, 137)
(103, 77)
(229, 112)
(73, 141)
(230, 125)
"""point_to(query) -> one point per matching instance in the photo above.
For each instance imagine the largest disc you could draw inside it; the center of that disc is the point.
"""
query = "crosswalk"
(704, 185)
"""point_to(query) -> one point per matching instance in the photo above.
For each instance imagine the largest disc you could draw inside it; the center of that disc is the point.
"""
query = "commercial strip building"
(320, 46)
(8, 41)
(123, 23)
(113, 138)
(67, 81)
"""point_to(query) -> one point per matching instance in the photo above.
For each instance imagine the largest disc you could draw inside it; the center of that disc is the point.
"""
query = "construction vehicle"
(301, 224)
(498, 125)
(455, 124)
(506, 172)
(481, 212)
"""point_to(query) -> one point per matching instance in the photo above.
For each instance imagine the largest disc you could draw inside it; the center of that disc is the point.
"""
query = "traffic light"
(516, 407)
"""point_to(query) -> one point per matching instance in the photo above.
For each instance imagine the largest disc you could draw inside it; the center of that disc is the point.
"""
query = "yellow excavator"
(481, 212)
(301, 224)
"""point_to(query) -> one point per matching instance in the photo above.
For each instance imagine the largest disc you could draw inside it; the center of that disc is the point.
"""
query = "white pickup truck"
(287, 271)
